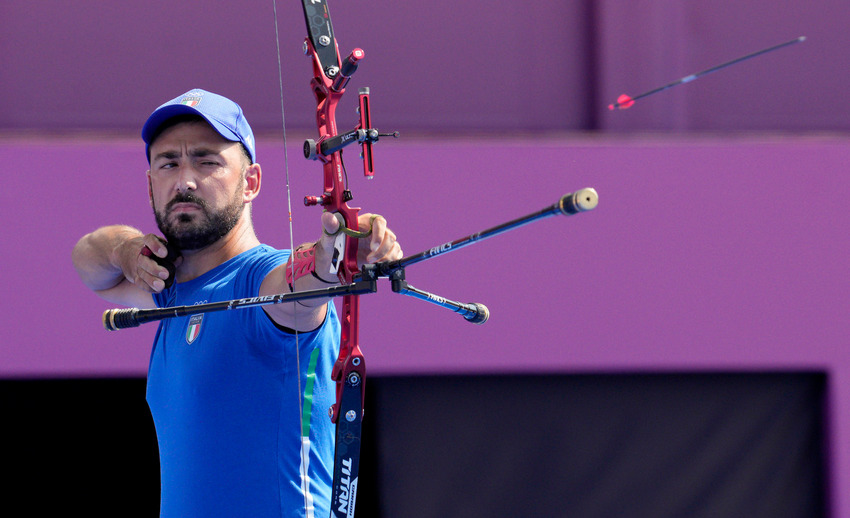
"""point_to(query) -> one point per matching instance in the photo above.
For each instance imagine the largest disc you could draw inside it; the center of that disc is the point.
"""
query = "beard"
(196, 231)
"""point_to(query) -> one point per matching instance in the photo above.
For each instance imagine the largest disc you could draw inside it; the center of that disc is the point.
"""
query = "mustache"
(185, 197)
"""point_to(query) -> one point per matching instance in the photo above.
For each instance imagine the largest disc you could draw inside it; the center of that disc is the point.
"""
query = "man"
(239, 398)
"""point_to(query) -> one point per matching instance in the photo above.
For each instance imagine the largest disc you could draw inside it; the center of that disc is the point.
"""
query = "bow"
(330, 77)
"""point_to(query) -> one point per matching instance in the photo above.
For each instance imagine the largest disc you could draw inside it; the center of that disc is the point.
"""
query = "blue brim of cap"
(161, 115)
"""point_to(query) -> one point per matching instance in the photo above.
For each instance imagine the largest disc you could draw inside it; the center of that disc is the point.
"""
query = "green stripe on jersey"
(307, 410)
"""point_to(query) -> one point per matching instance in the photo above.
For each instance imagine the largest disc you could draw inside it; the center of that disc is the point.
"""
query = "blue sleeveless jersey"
(222, 392)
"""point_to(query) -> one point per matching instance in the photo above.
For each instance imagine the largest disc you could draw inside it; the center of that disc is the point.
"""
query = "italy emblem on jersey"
(194, 328)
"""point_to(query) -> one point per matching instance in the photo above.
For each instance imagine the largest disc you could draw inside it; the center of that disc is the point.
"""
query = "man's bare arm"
(110, 263)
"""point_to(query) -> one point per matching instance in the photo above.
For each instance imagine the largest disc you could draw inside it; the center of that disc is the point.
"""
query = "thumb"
(330, 223)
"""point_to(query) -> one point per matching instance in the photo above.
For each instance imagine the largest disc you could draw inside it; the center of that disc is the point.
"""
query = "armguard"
(302, 262)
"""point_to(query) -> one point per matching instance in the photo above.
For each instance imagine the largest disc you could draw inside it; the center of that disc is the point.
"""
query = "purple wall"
(703, 253)
(718, 254)
(441, 66)
(706, 252)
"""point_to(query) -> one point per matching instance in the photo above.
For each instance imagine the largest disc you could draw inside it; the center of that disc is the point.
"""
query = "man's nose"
(186, 178)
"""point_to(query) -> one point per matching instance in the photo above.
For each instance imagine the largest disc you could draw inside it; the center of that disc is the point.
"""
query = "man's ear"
(150, 188)
(253, 181)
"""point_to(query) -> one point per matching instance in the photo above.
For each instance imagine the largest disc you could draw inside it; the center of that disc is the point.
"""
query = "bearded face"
(196, 229)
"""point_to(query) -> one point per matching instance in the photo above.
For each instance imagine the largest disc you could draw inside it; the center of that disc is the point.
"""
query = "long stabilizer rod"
(114, 319)
(582, 200)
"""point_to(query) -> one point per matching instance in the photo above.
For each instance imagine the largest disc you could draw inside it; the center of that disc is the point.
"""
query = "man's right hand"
(155, 264)
(110, 262)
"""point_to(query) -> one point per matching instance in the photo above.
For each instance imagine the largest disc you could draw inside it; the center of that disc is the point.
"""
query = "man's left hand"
(380, 245)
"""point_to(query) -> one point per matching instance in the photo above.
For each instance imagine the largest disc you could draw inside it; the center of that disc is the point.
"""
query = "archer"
(220, 385)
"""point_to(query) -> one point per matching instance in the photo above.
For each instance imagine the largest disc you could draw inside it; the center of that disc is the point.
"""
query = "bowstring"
(304, 461)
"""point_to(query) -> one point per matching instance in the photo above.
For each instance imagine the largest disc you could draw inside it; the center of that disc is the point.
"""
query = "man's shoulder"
(258, 254)
(260, 260)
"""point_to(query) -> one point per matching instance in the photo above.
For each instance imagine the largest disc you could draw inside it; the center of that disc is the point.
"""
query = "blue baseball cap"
(224, 115)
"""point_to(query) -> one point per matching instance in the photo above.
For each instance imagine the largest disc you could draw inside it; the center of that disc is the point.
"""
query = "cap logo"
(190, 101)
